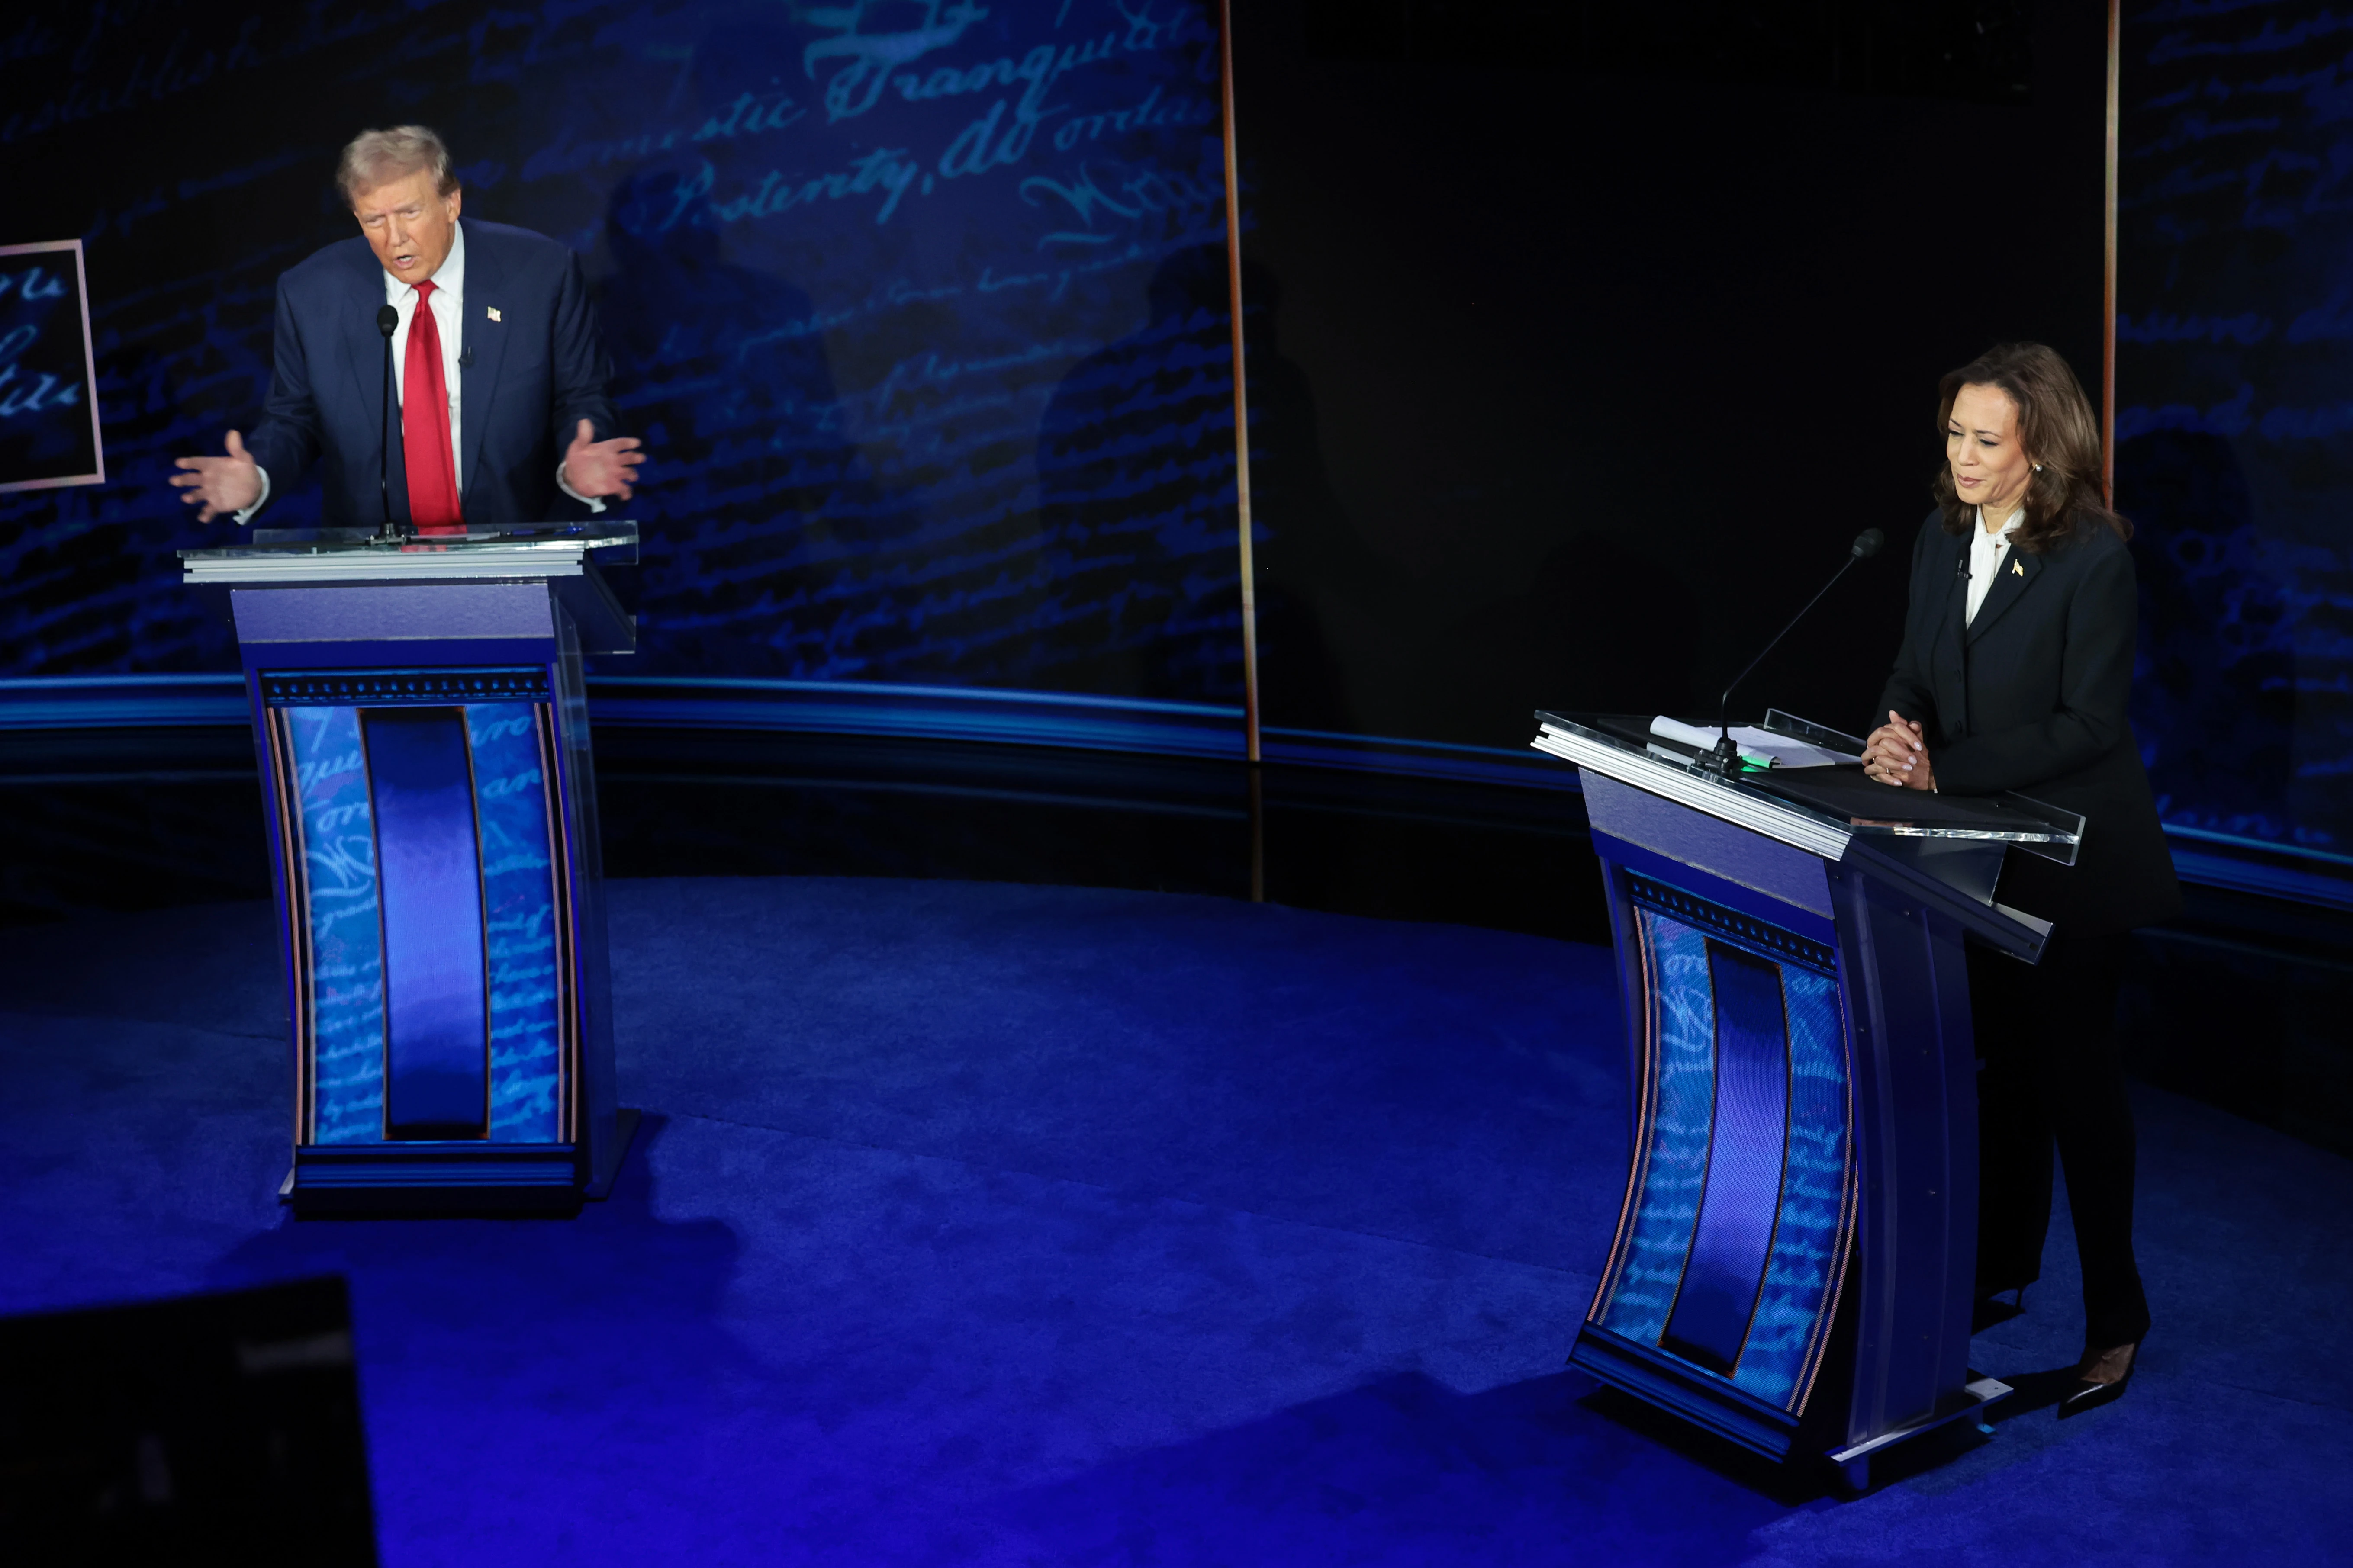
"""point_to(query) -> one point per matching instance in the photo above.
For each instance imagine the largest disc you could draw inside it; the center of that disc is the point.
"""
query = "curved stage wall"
(923, 309)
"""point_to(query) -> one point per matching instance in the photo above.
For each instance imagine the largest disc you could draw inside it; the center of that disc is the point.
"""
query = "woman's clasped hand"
(1897, 753)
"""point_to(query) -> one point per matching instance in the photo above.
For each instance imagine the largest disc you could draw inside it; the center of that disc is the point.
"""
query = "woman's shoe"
(2101, 1379)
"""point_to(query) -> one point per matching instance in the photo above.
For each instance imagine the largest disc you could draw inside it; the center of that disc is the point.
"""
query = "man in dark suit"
(499, 375)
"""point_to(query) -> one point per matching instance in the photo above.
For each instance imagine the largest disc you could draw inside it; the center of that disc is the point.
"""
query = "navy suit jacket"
(528, 379)
(2031, 696)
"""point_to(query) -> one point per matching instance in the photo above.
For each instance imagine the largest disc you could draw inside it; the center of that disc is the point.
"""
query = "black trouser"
(2054, 1073)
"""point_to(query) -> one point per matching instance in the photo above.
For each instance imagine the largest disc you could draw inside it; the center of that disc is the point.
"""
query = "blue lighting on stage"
(901, 1284)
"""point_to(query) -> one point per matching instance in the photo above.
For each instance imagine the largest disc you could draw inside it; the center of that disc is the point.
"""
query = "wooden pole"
(1241, 395)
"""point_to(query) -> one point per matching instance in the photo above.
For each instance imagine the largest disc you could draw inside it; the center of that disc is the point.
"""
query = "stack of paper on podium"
(1758, 748)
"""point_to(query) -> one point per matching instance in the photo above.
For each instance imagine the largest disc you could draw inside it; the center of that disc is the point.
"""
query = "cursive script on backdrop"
(899, 296)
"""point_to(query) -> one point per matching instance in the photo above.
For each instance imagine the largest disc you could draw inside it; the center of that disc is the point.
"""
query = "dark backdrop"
(1581, 351)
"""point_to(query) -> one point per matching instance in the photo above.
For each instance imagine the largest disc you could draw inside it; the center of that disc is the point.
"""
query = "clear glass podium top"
(563, 556)
(1836, 797)
(610, 543)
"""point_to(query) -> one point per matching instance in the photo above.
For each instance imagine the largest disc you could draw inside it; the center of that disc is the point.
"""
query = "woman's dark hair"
(2055, 428)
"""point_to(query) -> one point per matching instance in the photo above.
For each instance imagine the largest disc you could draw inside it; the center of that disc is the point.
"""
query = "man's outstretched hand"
(600, 469)
(222, 486)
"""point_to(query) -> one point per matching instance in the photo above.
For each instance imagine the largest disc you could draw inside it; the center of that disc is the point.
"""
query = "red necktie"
(425, 425)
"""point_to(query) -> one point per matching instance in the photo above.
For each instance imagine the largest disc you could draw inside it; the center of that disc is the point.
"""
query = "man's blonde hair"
(379, 157)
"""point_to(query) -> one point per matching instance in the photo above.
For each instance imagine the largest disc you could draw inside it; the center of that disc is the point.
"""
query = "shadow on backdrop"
(758, 495)
(1316, 577)
(2215, 709)
(1135, 479)
(1598, 628)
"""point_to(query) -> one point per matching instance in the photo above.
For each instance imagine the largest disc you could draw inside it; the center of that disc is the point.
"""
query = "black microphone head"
(1867, 543)
(387, 320)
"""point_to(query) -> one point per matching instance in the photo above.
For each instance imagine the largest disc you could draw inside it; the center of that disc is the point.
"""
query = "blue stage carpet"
(982, 1224)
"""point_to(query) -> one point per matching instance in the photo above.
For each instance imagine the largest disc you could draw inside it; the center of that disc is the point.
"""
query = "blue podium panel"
(337, 925)
(431, 912)
(1731, 1235)
(521, 916)
(429, 873)
(1723, 1279)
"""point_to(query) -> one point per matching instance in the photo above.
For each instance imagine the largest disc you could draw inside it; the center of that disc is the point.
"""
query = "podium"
(1794, 1262)
(423, 738)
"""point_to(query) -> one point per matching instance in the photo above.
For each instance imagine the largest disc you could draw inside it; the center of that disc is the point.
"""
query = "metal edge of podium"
(463, 1177)
(1854, 1463)
(572, 581)
(1712, 1404)
(1728, 1412)
(1722, 799)
(2021, 935)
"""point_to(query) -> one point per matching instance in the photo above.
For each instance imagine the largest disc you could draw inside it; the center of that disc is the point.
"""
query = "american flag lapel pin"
(495, 312)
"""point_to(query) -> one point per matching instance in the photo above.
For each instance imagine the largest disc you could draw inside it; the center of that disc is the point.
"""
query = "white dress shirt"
(449, 320)
(449, 316)
(1986, 552)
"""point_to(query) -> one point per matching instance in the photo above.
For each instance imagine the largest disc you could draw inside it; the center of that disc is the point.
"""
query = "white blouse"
(1986, 552)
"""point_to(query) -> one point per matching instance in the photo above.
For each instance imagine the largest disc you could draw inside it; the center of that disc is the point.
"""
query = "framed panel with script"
(48, 376)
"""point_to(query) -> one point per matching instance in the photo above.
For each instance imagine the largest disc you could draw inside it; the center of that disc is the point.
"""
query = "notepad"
(1758, 748)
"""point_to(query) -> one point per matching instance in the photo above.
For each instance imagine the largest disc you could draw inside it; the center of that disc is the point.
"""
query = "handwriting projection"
(909, 300)
(2234, 358)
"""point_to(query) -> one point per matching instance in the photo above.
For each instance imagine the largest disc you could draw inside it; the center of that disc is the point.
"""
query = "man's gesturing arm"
(220, 485)
(592, 469)
(286, 439)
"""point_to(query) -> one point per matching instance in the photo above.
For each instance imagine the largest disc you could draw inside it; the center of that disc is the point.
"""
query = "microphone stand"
(1725, 757)
(387, 321)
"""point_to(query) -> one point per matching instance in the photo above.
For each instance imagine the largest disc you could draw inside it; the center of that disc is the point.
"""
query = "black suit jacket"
(529, 376)
(2031, 696)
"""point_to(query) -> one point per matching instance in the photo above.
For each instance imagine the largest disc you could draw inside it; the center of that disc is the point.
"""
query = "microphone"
(1725, 756)
(465, 357)
(387, 321)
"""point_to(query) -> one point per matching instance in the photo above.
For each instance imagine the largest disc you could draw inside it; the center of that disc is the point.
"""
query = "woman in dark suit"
(2015, 674)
